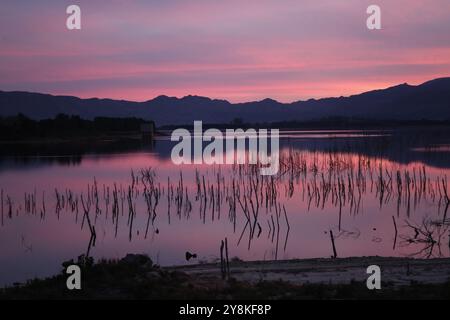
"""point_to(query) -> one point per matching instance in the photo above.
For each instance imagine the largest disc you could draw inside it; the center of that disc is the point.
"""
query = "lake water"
(379, 192)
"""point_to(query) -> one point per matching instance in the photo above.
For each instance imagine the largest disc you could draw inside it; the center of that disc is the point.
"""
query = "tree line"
(65, 126)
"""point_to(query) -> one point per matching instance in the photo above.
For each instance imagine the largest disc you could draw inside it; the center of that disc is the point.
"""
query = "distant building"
(148, 130)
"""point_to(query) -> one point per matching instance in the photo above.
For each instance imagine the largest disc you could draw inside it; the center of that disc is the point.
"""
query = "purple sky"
(239, 50)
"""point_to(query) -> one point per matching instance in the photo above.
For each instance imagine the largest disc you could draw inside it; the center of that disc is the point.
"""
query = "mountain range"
(429, 100)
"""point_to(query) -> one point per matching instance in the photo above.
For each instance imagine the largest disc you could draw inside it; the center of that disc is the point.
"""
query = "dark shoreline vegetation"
(136, 277)
(331, 123)
(71, 128)
(65, 127)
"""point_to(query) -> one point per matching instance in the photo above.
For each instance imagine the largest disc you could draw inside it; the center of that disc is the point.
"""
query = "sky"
(239, 50)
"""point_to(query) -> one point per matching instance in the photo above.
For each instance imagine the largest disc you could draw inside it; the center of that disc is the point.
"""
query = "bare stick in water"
(396, 232)
(332, 242)
(226, 257)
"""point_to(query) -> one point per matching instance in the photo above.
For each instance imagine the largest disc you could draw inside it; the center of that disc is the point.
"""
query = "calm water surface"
(379, 192)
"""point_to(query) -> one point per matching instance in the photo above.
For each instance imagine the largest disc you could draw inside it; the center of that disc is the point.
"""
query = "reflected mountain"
(428, 146)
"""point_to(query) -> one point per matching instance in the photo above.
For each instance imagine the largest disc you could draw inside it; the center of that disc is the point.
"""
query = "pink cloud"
(286, 50)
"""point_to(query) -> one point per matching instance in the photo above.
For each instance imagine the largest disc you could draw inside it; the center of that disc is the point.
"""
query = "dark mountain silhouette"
(430, 100)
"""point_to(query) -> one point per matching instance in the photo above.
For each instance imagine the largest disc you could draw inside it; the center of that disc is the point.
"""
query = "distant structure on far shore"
(148, 130)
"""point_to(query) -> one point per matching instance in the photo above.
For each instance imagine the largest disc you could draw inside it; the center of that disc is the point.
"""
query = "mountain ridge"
(429, 100)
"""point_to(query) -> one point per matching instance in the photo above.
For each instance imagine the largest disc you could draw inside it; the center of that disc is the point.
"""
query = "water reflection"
(367, 189)
(430, 236)
(430, 147)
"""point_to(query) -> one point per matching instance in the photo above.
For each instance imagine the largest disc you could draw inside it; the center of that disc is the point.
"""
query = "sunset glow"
(285, 50)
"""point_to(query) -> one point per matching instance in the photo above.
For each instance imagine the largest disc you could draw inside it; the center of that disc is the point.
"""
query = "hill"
(430, 101)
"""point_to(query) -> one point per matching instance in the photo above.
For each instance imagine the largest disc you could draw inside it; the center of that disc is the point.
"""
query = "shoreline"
(395, 270)
(136, 277)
